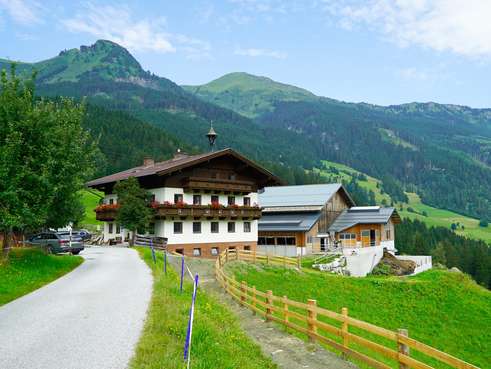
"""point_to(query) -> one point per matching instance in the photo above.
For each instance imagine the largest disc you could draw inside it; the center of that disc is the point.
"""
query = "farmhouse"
(203, 203)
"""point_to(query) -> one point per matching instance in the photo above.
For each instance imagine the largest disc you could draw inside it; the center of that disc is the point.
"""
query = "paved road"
(89, 319)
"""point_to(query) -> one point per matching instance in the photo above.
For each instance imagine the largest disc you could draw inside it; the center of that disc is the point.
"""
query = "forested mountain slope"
(442, 152)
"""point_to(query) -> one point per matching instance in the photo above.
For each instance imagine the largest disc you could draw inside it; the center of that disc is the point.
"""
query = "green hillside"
(247, 94)
(440, 152)
(445, 310)
(466, 226)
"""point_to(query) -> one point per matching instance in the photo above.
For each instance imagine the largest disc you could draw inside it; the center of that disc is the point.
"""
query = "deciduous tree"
(134, 212)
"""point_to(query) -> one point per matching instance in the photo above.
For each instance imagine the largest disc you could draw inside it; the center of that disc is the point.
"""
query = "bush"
(410, 209)
(483, 223)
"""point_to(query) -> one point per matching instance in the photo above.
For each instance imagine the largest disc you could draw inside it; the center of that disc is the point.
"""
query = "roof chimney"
(148, 161)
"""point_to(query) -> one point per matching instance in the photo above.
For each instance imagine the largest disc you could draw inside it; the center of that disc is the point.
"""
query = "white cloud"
(118, 25)
(253, 52)
(458, 26)
(23, 12)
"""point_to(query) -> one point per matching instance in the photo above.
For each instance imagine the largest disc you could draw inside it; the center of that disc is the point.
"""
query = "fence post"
(269, 302)
(299, 260)
(226, 255)
(236, 254)
(267, 258)
(182, 272)
(344, 329)
(312, 318)
(254, 256)
(285, 311)
(243, 291)
(165, 262)
(254, 299)
(403, 348)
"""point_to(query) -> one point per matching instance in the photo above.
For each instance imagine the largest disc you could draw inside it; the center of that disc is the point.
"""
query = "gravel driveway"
(90, 318)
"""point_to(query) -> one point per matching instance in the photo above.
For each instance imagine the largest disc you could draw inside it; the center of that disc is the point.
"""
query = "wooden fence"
(378, 347)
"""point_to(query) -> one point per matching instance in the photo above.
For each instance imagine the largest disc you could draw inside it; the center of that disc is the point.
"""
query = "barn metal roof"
(363, 215)
(298, 222)
(297, 196)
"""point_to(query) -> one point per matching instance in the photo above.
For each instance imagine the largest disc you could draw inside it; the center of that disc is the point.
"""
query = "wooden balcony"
(205, 211)
(218, 185)
(108, 213)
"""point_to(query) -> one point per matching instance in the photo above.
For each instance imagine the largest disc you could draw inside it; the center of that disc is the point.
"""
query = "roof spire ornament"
(212, 136)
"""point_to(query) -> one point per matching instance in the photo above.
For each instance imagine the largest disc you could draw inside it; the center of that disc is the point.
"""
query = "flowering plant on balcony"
(155, 204)
(233, 206)
(104, 207)
(216, 205)
(167, 203)
(180, 204)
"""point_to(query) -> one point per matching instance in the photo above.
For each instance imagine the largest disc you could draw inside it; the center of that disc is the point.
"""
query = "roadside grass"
(217, 341)
(90, 201)
(29, 269)
(448, 311)
(433, 217)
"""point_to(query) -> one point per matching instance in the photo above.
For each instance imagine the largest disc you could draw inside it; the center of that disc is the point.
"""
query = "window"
(110, 228)
(215, 199)
(387, 234)
(178, 227)
(197, 252)
(152, 198)
(261, 241)
(291, 241)
(196, 199)
(247, 248)
(215, 227)
(151, 228)
(118, 228)
(178, 198)
(231, 227)
(231, 200)
(196, 227)
(280, 240)
(180, 251)
(247, 226)
(270, 241)
(111, 201)
(214, 251)
(232, 177)
(247, 201)
(323, 244)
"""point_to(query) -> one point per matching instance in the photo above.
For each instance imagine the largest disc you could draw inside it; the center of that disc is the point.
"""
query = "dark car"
(83, 234)
(57, 242)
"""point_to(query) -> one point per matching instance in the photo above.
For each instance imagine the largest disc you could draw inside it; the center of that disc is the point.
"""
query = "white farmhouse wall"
(166, 229)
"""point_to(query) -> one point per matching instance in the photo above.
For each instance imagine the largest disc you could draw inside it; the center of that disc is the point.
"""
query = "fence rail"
(337, 330)
(158, 243)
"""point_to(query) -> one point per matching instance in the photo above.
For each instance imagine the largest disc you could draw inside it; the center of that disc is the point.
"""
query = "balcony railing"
(109, 212)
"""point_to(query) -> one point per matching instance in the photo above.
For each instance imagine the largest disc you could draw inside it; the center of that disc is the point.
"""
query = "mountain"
(442, 152)
(247, 94)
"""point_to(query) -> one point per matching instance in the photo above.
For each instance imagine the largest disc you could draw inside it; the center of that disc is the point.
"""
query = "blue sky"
(377, 51)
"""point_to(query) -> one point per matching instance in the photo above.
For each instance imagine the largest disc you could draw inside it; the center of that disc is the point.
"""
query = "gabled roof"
(364, 215)
(301, 196)
(180, 162)
(292, 222)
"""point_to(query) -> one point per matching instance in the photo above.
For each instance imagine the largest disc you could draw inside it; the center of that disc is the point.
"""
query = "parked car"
(83, 233)
(57, 242)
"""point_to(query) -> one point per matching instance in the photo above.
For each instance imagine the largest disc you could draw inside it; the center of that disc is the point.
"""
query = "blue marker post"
(187, 343)
(153, 252)
(182, 271)
(165, 262)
